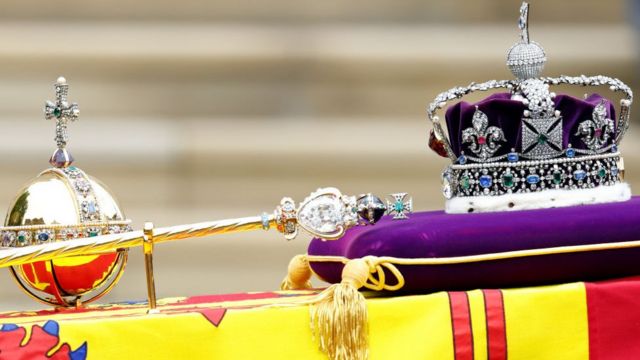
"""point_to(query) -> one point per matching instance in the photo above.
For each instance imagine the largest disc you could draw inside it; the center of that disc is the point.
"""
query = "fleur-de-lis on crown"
(596, 132)
(483, 138)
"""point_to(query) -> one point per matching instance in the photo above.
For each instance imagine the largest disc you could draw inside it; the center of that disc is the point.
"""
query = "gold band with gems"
(18, 236)
(88, 212)
(88, 209)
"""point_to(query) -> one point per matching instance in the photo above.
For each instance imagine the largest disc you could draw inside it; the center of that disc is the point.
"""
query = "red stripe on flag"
(496, 326)
(461, 324)
(613, 309)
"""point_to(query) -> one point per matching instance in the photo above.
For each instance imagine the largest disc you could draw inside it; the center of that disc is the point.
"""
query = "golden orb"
(64, 203)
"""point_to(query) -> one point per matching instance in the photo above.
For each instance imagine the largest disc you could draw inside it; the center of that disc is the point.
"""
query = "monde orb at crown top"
(526, 58)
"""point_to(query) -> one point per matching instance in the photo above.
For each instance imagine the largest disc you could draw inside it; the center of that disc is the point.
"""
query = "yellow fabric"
(247, 334)
(397, 330)
(541, 323)
(410, 327)
(478, 324)
(547, 322)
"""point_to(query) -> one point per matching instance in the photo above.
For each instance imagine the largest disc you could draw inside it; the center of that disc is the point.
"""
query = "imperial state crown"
(530, 147)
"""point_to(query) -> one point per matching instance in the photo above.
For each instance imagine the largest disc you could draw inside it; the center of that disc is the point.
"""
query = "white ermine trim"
(539, 200)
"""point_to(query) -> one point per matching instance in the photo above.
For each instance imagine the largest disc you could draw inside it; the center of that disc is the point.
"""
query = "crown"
(528, 147)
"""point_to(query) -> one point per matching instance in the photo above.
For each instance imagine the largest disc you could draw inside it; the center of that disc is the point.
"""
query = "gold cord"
(377, 278)
(298, 274)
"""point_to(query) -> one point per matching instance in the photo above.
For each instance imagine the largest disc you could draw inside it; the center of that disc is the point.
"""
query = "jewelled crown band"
(530, 140)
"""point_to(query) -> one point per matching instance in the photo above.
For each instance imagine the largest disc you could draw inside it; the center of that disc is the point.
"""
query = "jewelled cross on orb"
(63, 112)
(400, 207)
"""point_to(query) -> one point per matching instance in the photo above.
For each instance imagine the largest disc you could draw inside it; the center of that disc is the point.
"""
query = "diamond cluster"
(286, 218)
(328, 214)
(597, 130)
(484, 139)
(526, 58)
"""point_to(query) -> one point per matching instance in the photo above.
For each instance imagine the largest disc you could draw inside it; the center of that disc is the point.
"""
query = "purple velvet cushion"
(439, 235)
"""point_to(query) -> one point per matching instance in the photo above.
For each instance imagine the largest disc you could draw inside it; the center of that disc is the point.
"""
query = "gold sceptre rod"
(108, 243)
(325, 213)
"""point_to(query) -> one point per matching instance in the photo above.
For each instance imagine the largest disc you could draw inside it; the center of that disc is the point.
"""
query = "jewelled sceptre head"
(327, 214)
(527, 147)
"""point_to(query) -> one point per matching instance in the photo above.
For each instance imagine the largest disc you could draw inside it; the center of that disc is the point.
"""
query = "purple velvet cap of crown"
(507, 115)
(435, 234)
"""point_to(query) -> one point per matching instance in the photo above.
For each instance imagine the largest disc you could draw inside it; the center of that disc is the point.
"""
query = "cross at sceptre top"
(62, 111)
(523, 22)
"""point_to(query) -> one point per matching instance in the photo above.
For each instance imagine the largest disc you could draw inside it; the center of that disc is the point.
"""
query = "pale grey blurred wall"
(199, 110)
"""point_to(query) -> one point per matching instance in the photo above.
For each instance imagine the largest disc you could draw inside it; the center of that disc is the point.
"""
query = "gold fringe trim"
(339, 316)
(339, 322)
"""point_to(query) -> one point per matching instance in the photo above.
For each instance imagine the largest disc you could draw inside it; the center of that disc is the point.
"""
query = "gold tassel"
(298, 274)
(339, 316)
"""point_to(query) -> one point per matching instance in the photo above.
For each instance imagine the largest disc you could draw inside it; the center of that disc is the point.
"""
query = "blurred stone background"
(201, 110)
